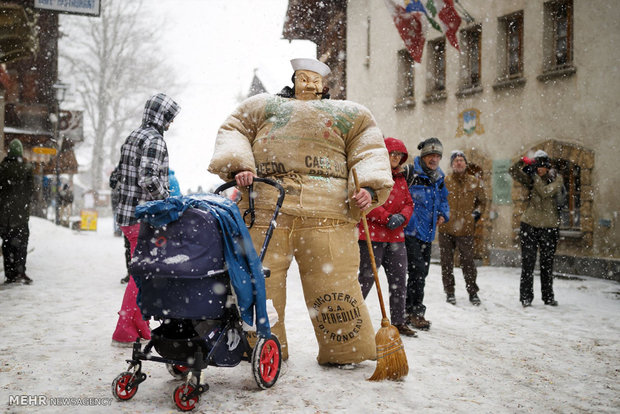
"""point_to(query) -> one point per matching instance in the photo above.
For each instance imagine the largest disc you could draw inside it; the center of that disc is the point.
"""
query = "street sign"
(44, 150)
(88, 8)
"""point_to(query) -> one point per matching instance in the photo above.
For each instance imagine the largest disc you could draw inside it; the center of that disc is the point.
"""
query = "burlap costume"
(310, 147)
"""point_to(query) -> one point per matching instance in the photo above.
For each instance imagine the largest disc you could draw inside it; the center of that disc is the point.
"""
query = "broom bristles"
(391, 357)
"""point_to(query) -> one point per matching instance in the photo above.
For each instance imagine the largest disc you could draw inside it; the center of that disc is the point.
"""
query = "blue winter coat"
(430, 200)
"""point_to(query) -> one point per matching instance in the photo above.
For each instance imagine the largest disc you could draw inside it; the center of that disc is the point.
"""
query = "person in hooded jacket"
(539, 224)
(430, 198)
(142, 177)
(386, 225)
(16, 190)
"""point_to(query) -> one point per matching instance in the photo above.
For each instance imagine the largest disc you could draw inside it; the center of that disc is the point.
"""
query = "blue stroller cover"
(243, 264)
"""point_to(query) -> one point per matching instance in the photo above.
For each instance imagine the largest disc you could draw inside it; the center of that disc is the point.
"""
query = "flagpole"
(466, 15)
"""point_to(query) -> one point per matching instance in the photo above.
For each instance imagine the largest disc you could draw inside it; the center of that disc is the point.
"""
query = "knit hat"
(542, 159)
(16, 149)
(430, 146)
(457, 153)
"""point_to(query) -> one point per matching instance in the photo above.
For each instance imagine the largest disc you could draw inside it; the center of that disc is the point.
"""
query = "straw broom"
(391, 357)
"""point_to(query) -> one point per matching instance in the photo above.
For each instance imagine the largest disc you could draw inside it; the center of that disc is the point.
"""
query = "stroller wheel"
(177, 371)
(121, 388)
(179, 396)
(266, 359)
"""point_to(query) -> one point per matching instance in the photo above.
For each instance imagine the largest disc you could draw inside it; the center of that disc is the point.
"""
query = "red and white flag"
(448, 18)
(411, 25)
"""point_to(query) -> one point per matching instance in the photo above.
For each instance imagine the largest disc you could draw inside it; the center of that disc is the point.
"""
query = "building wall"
(574, 116)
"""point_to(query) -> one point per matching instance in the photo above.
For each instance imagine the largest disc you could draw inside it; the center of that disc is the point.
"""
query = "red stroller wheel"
(266, 359)
(120, 386)
(179, 396)
(177, 371)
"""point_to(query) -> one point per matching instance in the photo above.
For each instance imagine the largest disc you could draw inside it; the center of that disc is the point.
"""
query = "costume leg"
(465, 244)
(446, 248)
(395, 264)
(366, 276)
(278, 260)
(548, 243)
(130, 325)
(529, 245)
(327, 254)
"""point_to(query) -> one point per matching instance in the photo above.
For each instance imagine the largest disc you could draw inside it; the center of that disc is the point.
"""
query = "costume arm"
(233, 144)
(366, 153)
(153, 156)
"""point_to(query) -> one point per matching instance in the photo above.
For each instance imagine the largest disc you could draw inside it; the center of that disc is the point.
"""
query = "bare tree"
(115, 62)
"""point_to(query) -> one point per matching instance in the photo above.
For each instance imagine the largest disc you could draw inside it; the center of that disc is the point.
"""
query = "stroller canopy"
(199, 252)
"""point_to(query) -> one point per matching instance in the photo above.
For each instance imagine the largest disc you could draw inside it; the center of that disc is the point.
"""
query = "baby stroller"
(200, 297)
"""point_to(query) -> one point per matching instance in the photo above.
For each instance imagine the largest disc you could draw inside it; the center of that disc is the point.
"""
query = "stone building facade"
(530, 74)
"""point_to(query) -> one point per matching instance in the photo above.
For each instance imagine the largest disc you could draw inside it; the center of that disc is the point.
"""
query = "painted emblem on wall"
(469, 122)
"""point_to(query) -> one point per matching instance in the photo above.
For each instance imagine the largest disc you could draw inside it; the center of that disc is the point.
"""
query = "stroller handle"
(250, 210)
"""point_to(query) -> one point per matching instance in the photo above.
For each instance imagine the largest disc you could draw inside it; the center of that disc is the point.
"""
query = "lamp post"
(60, 89)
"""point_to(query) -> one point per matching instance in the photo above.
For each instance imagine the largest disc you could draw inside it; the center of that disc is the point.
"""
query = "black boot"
(474, 299)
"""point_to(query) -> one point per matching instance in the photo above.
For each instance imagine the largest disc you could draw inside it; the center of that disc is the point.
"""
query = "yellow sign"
(88, 220)
(44, 150)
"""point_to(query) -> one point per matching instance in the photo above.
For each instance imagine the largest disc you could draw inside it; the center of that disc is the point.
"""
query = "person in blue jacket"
(430, 209)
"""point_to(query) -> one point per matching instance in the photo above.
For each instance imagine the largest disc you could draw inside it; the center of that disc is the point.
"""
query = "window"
(557, 39)
(471, 42)
(510, 51)
(570, 216)
(514, 41)
(436, 81)
(405, 79)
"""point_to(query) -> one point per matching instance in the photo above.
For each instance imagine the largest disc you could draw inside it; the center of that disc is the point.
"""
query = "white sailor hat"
(310, 64)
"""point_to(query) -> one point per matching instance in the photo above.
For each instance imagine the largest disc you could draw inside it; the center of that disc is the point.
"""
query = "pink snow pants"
(130, 325)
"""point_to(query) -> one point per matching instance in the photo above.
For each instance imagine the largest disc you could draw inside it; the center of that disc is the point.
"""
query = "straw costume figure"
(309, 144)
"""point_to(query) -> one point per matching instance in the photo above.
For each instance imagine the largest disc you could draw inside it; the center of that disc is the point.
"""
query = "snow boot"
(405, 330)
(474, 299)
(418, 322)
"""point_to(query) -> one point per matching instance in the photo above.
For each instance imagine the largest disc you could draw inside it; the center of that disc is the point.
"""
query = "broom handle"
(370, 252)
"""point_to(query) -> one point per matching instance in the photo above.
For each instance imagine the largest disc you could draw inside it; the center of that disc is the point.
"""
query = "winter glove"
(528, 161)
(476, 215)
(395, 221)
(530, 165)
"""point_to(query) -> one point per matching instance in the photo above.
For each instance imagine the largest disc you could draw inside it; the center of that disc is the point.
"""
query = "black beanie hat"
(457, 153)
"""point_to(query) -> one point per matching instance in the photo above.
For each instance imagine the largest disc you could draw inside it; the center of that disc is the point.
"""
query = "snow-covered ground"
(498, 358)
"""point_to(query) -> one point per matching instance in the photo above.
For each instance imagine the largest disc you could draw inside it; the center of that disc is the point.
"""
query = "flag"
(448, 17)
(409, 21)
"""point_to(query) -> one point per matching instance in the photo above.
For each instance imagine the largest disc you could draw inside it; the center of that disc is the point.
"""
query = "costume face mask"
(308, 85)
